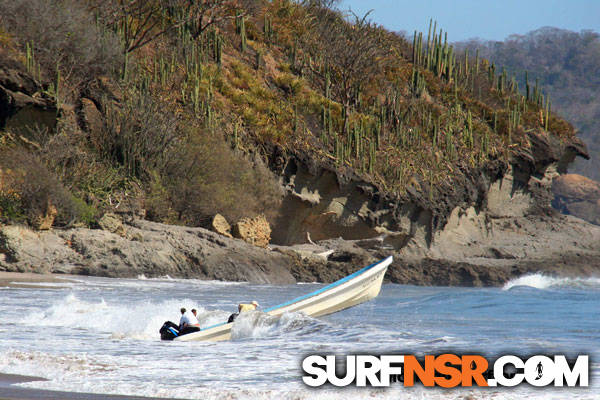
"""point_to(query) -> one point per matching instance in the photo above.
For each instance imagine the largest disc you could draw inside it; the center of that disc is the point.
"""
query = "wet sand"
(8, 391)
(27, 279)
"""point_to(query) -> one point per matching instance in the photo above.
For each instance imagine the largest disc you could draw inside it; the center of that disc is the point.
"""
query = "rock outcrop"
(220, 225)
(111, 223)
(23, 106)
(483, 227)
(149, 249)
(578, 196)
(256, 231)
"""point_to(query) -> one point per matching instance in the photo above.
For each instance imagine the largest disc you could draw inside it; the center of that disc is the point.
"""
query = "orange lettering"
(473, 368)
(412, 367)
(442, 367)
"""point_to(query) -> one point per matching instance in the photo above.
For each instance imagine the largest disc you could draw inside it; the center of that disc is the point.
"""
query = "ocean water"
(101, 336)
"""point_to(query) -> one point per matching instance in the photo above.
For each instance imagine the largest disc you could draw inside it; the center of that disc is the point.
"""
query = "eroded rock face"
(484, 227)
(324, 203)
(256, 231)
(220, 225)
(151, 249)
(319, 206)
(112, 223)
(579, 196)
(23, 107)
(91, 120)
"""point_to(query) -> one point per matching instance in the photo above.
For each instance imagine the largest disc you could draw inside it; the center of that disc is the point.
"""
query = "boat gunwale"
(328, 287)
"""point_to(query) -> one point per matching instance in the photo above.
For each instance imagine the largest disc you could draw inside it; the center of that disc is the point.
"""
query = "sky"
(484, 19)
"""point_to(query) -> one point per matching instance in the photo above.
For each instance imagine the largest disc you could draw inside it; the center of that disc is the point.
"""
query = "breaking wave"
(142, 320)
(541, 281)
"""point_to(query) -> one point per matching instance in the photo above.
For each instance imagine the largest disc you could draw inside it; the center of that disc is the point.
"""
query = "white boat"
(361, 286)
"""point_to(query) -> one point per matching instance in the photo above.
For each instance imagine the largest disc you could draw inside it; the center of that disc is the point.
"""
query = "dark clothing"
(232, 317)
(188, 329)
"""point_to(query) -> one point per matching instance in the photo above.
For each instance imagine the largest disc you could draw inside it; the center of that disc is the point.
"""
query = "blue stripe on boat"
(330, 286)
(316, 292)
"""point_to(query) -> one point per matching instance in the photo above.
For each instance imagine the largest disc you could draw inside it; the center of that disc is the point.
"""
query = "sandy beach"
(27, 279)
(8, 391)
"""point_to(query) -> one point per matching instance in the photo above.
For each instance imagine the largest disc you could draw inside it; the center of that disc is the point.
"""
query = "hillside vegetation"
(177, 107)
(567, 65)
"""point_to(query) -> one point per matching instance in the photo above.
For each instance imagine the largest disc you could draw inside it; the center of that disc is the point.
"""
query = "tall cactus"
(268, 29)
(547, 112)
(243, 39)
(527, 87)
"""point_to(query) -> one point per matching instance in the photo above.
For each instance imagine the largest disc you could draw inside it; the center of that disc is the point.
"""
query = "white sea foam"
(541, 281)
(137, 321)
(101, 336)
(142, 321)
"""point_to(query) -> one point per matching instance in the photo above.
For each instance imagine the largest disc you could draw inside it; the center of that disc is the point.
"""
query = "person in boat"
(243, 307)
(188, 322)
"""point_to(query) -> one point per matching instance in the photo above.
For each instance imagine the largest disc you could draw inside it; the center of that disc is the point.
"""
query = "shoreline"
(32, 279)
(8, 391)
(474, 249)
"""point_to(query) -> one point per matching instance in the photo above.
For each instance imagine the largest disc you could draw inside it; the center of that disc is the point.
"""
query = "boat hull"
(362, 286)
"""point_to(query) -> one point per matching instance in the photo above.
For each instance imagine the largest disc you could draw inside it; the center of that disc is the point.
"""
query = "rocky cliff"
(497, 226)
(380, 147)
(489, 225)
(578, 196)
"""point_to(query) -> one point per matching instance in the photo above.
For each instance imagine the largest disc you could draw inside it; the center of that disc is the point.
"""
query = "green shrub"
(205, 177)
(32, 189)
(65, 33)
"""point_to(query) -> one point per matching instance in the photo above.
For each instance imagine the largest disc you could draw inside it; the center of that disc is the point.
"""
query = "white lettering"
(319, 375)
(367, 368)
(388, 370)
(350, 371)
(564, 373)
(500, 379)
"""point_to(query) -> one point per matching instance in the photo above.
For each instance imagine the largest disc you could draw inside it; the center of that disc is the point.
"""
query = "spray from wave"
(142, 320)
(256, 324)
(541, 281)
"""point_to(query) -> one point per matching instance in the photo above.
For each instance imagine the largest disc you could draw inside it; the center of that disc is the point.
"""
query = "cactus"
(468, 133)
(527, 87)
(327, 84)
(495, 122)
(428, 43)
(258, 59)
(547, 112)
(415, 48)
(485, 144)
(235, 136)
(372, 157)
(268, 29)
(436, 129)
(243, 34)
(418, 82)
(293, 56)
(450, 63)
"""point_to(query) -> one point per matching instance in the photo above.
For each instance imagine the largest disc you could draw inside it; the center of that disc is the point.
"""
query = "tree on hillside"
(354, 54)
(142, 21)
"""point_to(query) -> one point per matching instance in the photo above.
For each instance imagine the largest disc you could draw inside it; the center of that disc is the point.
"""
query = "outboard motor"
(169, 331)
